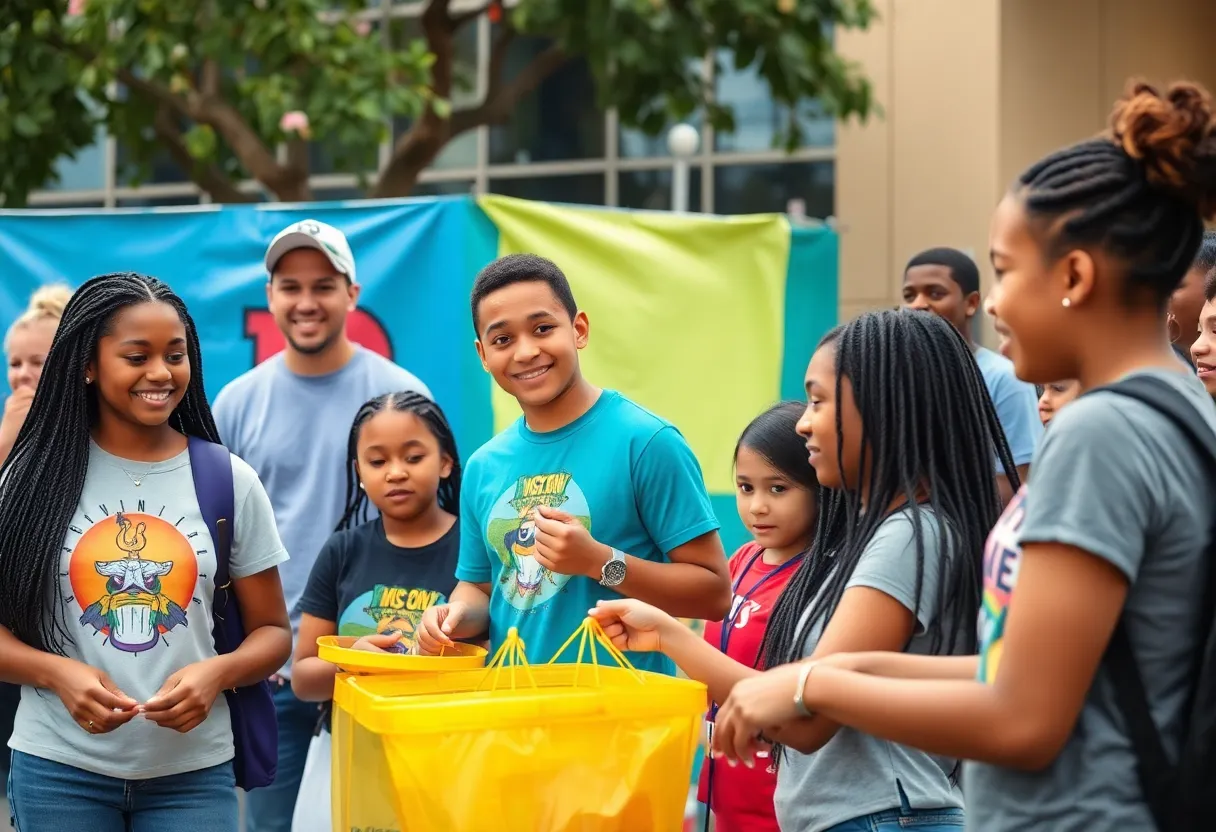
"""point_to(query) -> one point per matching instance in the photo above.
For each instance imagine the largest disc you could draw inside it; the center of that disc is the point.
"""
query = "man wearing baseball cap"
(290, 417)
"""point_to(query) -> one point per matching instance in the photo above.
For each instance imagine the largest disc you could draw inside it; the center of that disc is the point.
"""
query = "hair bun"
(1173, 136)
(49, 302)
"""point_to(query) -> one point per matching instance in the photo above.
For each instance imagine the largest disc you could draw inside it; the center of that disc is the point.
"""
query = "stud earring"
(1067, 302)
(362, 487)
(88, 379)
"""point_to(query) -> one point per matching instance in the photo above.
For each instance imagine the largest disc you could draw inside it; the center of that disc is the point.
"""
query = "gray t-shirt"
(1117, 479)
(137, 588)
(855, 774)
(293, 431)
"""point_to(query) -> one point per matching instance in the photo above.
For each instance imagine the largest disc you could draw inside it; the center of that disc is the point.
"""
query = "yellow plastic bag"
(581, 747)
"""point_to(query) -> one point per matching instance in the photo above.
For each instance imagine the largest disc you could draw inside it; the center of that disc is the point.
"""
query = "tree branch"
(502, 98)
(207, 176)
(209, 84)
(244, 143)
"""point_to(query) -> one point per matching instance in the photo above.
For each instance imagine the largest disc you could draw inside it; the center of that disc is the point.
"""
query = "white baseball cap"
(313, 234)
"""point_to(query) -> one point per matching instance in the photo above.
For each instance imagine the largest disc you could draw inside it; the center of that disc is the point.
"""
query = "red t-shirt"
(743, 797)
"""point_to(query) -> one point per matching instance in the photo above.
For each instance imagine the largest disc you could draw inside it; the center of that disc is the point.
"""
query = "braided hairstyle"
(42, 479)
(1139, 193)
(432, 416)
(928, 429)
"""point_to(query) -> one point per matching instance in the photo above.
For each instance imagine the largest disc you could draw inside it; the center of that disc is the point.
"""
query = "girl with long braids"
(105, 579)
(1097, 572)
(376, 576)
(900, 431)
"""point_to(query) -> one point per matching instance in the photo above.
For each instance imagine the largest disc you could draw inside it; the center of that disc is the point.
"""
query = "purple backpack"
(255, 727)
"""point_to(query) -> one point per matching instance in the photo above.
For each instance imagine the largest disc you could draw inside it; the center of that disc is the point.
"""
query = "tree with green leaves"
(235, 90)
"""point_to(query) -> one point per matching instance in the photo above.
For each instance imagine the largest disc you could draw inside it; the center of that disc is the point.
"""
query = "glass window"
(558, 121)
(85, 172)
(162, 170)
(446, 188)
(651, 189)
(583, 189)
(153, 201)
(460, 152)
(322, 194)
(760, 189)
(64, 206)
(758, 119)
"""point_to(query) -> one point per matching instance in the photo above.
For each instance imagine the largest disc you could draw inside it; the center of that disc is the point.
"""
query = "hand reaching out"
(633, 625)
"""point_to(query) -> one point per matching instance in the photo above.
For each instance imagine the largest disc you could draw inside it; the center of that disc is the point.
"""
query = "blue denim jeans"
(894, 820)
(46, 796)
(270, 809)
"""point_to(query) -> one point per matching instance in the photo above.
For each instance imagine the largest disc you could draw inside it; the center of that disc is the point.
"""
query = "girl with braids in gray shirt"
(1107, 544)
(900, 430)
(106, 579)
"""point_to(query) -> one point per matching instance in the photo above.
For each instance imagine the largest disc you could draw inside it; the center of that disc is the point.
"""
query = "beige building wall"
(972, 92)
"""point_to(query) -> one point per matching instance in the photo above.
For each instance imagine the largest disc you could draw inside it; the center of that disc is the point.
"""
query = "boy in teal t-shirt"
(587, 496)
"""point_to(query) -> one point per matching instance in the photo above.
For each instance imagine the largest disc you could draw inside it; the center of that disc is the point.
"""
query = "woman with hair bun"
(1088, 247)
(26, 344)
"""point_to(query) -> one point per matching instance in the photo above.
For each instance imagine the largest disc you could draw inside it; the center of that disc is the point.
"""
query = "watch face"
(613, 573)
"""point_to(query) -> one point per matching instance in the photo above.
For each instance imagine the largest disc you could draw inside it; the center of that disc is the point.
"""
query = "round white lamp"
(683, 141)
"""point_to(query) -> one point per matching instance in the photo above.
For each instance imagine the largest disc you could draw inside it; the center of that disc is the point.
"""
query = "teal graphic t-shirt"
(628, 475)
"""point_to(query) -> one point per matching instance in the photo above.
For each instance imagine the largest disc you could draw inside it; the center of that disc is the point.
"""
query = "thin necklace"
(133, 478)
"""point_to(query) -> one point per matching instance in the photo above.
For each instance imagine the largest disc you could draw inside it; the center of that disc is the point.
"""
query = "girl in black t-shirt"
(374, 578)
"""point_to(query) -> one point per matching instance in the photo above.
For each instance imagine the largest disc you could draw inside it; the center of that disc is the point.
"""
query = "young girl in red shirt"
(775, 492)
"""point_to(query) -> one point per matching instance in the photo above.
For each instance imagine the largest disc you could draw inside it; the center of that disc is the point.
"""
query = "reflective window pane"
(651, 189)
(760, 189)
(452, 188)
(758, 119)
(337, 193)
(86, 172)
(162, 171)
(584, 189)
(154, 201)
(558, 121)
(460, 152)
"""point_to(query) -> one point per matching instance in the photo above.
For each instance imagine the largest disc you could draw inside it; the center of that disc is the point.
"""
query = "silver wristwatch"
(612, 573)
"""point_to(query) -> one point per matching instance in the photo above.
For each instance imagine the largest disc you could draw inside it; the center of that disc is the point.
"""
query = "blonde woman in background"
(25, 348)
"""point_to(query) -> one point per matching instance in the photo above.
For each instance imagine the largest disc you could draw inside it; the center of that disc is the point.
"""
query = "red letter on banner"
(361, 327)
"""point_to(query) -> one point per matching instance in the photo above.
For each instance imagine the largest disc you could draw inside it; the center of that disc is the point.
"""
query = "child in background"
(374, 579)
(776, 494)
(1054, 396)
(587, 496)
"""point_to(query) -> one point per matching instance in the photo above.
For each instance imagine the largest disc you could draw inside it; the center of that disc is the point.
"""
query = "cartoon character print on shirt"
(1002, 557)
(388, 609)
(511, 532)
(133, 576)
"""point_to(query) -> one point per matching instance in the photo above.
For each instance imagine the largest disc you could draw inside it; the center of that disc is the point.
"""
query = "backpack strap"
(1158, 776)
(211, 467)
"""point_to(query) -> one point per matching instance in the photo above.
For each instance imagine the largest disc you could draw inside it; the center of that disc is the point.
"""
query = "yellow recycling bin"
(579, 747)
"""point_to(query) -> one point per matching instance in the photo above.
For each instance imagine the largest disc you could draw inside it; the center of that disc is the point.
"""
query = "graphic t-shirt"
(742, 796)
(366, 585)
(293, 430)
(136, 588)
(1119, 480)
(626, 474)
(855, 774)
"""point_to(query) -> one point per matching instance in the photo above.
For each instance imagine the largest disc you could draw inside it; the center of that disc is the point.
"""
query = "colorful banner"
(704, 320)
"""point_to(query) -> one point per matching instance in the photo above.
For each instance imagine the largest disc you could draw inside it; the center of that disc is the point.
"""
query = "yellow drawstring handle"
(590, 633)
(511, 649)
